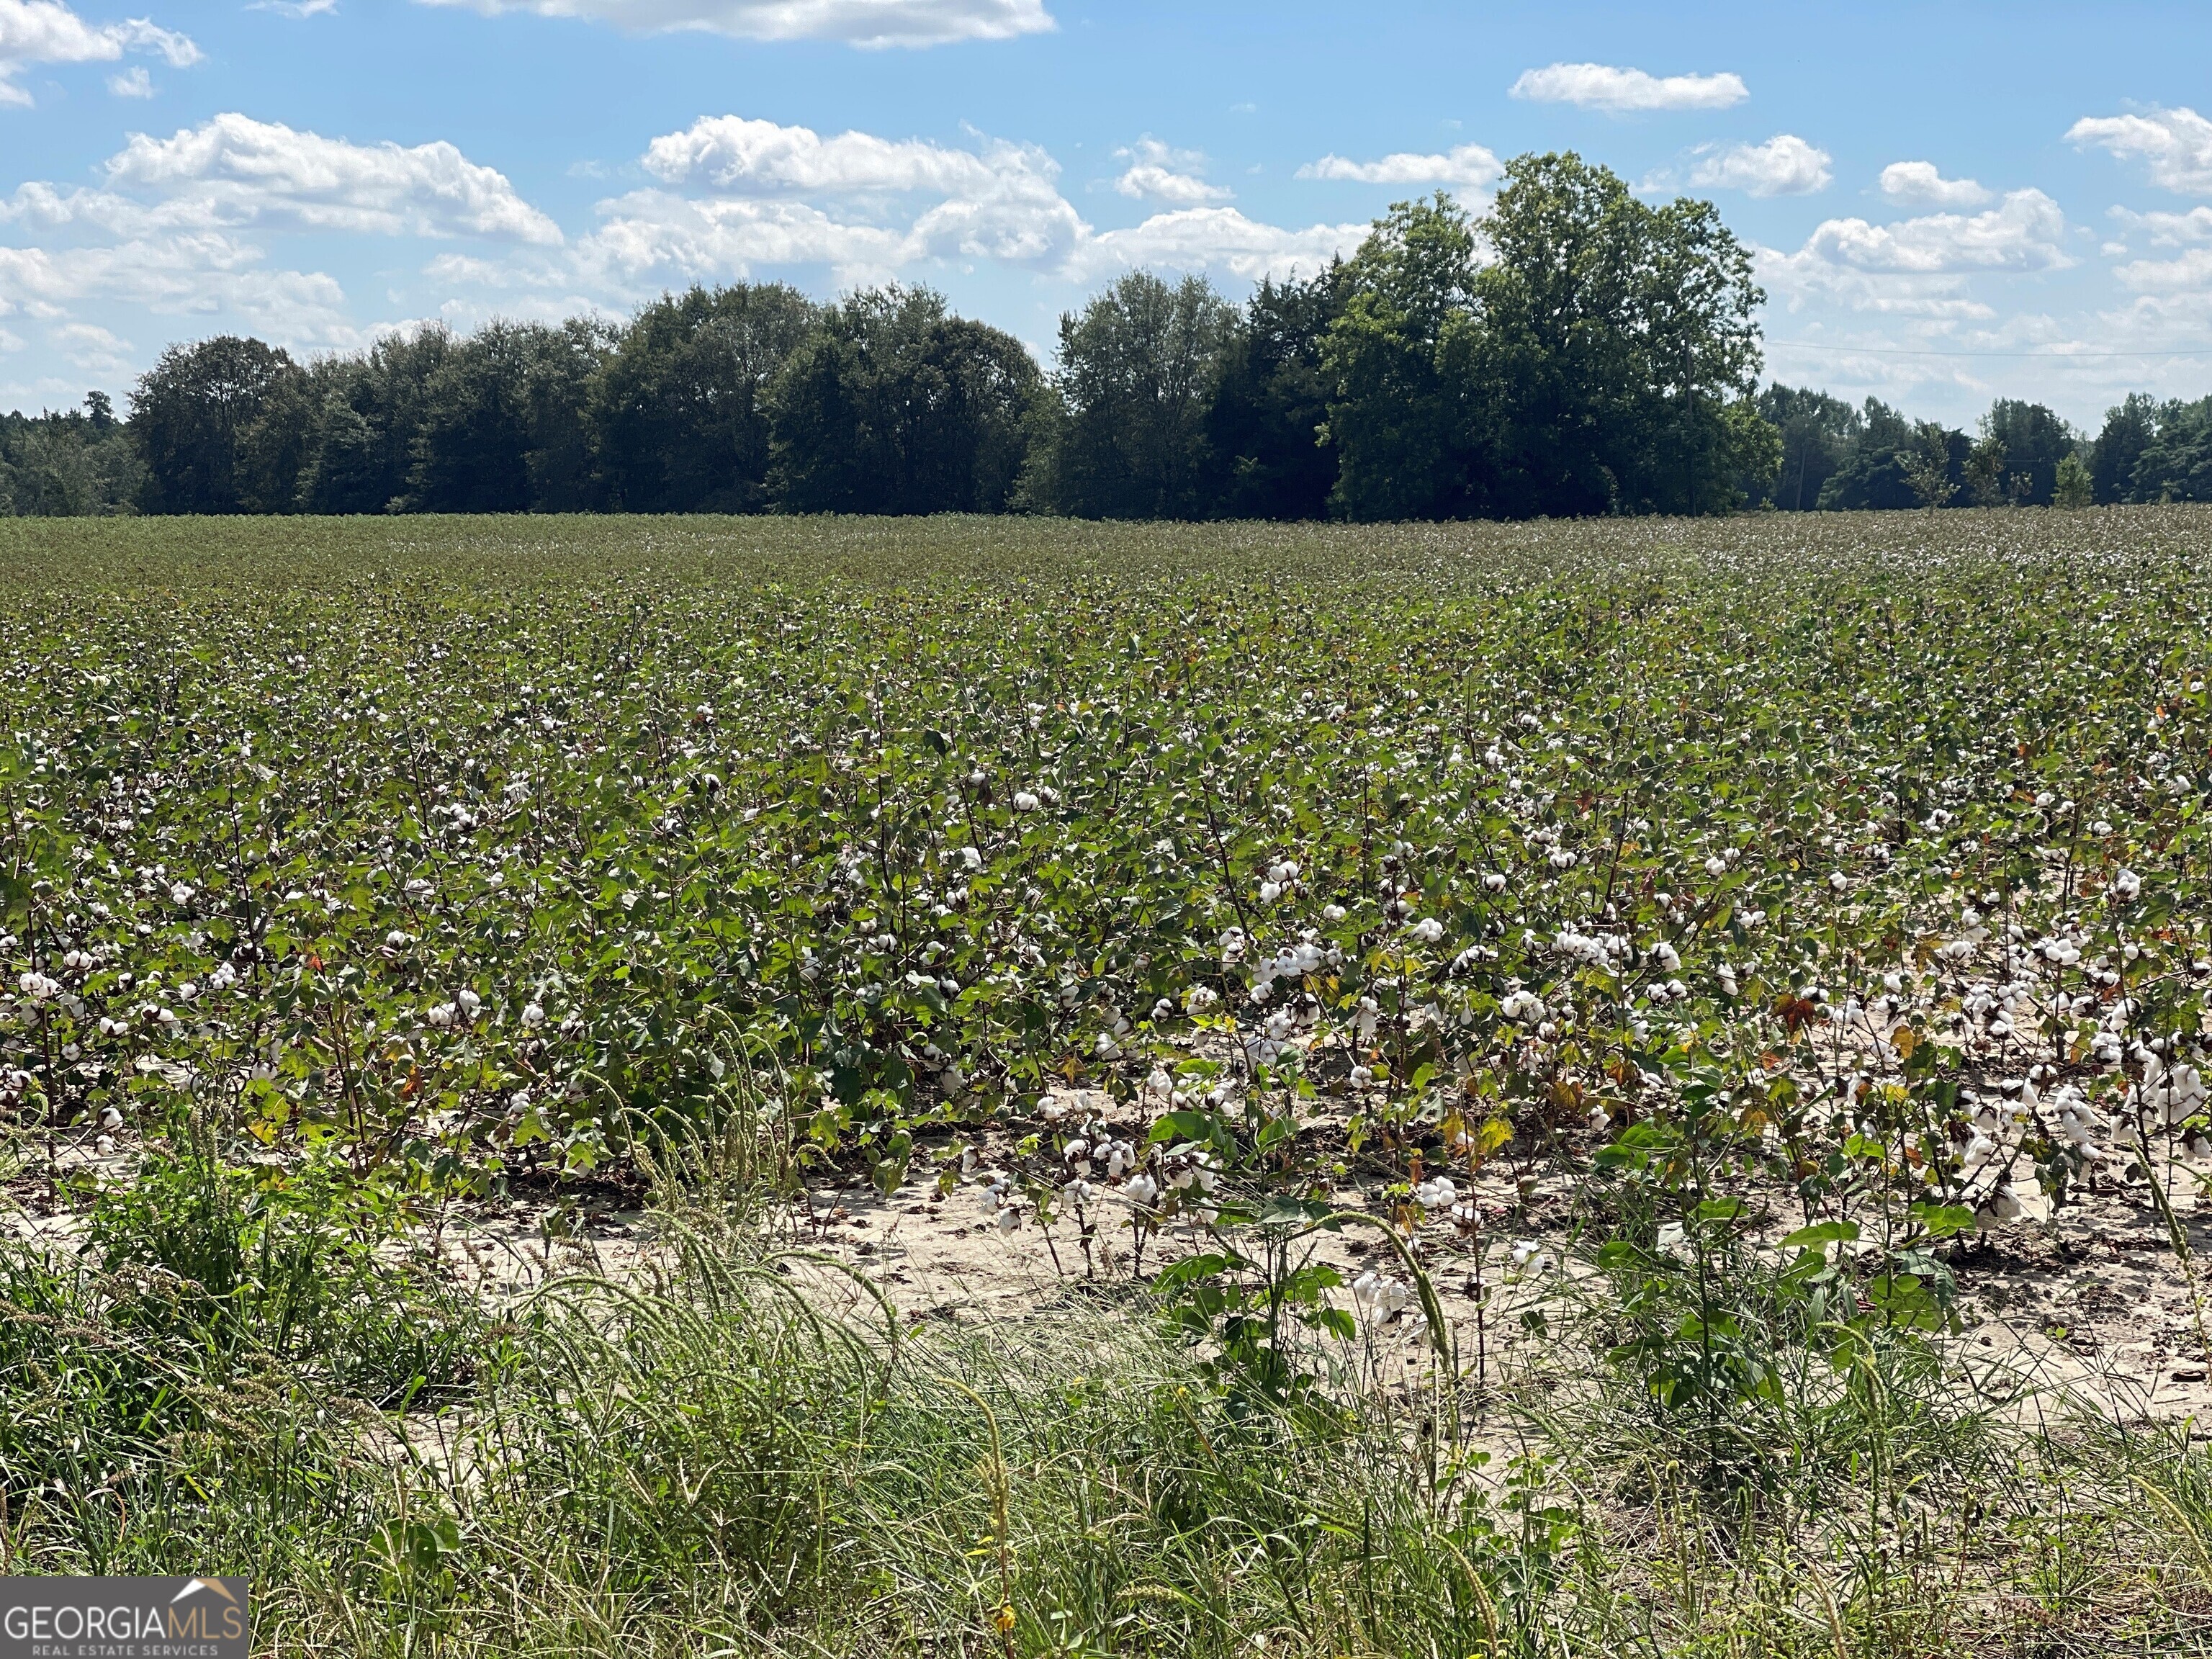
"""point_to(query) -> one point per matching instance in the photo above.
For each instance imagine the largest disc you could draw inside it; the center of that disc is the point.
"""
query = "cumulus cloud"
(1470, 167)
(1917, 184)
(49, 31)
(1622, 91)
(1158, 173)
(1923, 268)
(738, 194)
(169, 228)
(2176, 143)
(733, 154)
(1785, 165)
(2025, 232)
(857, 22)
(236, 171)
(2191, 271)
(206, 274)
(133, 82)
(1221, 241)
(2165, 229)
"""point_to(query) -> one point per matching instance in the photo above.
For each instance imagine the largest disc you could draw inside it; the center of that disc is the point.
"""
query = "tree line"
(1573, 350)
(1836, 455)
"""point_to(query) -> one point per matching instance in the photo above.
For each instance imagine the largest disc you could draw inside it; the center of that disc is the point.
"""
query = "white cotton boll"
(1260, 991)
(1598, 1119)
(533, 1014)
(1561, 858)
(1716, 865)
(1436, 1193)
(1008, 1218)
(1141, 1190)
(469, 1002)
(2128, 884)
(38, 987)
(1494, 882)
(1369, 1010)
(1332, 913)
(1840, 882)
(971, 858)
(1199, 998)
(1428, 930)
(1669, 959)
(2000, 1206)
(110, 1118)
(1026, 802)
(1270, 891)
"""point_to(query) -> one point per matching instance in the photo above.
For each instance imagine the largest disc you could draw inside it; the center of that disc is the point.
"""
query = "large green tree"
(2129, 428)
(504, 425)
(1266, 450)
(1574, 351)
(193, 416)
(894, 405)
(1819, 433)
(680, 404)
(1137, 374)
(1401, 359)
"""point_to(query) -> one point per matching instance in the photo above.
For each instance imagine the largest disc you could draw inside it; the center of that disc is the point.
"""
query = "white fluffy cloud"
(1620, 91)
(1158, 173)
(169, 228)
(207, 275)
(2169, 229)
(859, 22)
(234, 171)
(2025, 232)
(1917, 184)
(2188, 273)
(733, 154)
(739, 194)
(1217, 239)
(1468, 166)
(1785, 165)
(1924, 269)
(2176, 143)
(49, 31)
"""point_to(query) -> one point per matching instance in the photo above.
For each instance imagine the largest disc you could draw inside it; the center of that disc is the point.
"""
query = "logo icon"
(123, 1618)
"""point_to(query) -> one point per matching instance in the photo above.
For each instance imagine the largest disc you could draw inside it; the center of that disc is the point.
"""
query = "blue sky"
(1949, 203)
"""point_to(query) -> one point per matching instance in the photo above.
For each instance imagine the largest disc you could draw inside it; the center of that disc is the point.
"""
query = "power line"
(2057, 356)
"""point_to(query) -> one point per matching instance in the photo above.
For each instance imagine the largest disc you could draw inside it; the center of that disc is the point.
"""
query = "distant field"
(1807, 896)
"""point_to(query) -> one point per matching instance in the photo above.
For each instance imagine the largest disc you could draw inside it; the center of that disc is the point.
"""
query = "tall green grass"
(712, 1462)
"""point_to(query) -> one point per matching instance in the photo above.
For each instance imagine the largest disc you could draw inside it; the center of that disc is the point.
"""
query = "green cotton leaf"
(1822, 1234)
(1944, 1220)
(1192, 1268)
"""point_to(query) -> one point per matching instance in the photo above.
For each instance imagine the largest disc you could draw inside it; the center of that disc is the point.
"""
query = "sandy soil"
(2093, 1303)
